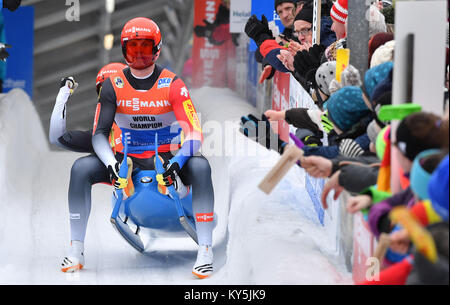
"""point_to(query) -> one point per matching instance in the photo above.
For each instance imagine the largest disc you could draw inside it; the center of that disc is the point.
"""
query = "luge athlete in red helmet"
(146, 99)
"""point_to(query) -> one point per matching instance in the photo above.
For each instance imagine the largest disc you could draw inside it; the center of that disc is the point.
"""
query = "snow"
(258, 239)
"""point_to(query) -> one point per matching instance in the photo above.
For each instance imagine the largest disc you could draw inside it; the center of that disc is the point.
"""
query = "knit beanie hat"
(278, 2)
(383, 54)
(373, 129)
(377, 41)
(438, 189)
(325, 75)
(382, 88)
(349, 77)
(407, 143)
(376, 75)
(306, 14)
(346, 107)
(339, 11)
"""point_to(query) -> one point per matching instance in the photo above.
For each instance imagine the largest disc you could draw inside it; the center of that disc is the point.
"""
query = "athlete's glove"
(267, 138)
(116, 181)
(169, 176)
(70, 83)
(3, 53)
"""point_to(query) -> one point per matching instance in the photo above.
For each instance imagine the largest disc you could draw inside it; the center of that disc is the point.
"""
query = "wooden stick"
(291, 155)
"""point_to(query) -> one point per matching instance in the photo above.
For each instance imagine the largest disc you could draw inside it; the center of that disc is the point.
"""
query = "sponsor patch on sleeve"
(97, 114)
(192, 115)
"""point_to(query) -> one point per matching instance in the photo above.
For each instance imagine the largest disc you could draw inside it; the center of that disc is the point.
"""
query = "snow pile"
(259, 239)
(23, 148)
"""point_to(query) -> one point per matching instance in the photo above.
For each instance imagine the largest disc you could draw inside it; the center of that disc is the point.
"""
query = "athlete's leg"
(197, 173)
(86, 171)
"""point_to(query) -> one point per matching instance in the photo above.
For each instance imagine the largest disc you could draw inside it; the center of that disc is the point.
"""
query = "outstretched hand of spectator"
(316, 166)
(332, 184)
(358, 203)
(274, 115)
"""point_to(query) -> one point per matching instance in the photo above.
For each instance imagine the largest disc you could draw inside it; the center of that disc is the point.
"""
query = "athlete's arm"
(187, 117)
(78, 141)
(103, 121)
(58, 118)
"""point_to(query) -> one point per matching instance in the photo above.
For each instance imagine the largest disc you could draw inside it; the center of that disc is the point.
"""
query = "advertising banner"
(19, 33)
(281, 101)
(363, 248)
(240, 11)
(209, 60)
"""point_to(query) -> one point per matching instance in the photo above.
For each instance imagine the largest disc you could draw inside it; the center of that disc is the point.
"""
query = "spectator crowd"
(353, 117)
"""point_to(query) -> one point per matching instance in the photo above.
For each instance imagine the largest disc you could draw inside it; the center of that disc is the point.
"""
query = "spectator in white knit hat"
(383, 54)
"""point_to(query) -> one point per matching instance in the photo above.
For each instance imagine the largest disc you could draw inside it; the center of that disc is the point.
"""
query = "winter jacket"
(355, 178)
(331, 152)
(379, 213)
(327, 36)
(367, 159)
(299, 117)
(270, 49)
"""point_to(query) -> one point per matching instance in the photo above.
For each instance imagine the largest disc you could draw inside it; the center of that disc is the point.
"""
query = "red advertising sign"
(280, 101)
(210, 61)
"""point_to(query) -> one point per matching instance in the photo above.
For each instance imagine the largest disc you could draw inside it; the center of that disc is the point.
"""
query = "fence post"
(358, 34)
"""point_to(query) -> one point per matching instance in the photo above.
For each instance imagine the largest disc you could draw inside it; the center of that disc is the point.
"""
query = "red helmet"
(106, 72)
(141, 42)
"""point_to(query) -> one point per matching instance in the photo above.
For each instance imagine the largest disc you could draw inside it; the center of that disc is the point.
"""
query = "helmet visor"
(139, 53)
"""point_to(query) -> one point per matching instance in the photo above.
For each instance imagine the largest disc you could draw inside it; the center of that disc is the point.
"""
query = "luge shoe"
(203, 267)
